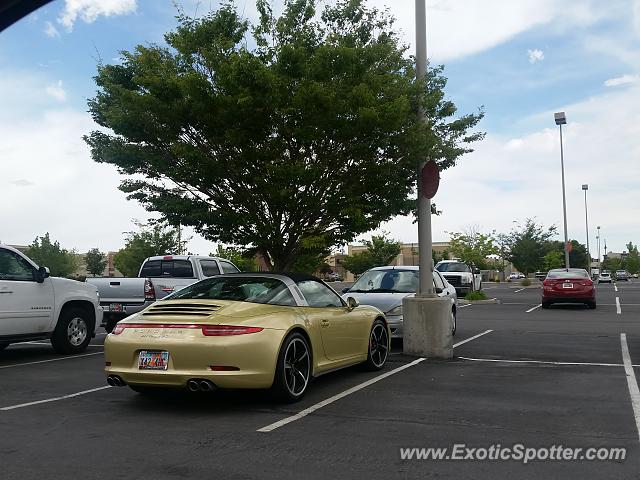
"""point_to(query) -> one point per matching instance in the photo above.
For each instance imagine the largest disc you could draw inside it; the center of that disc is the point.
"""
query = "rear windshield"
(240, 289)
(167, 269)
(570, 274)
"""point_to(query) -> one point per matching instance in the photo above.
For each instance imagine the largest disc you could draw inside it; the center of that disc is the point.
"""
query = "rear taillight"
(149, 291)
(224, 330)
(587, 283)
(207, 330)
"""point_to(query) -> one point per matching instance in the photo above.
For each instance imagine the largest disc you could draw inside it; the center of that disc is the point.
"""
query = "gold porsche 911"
(245, 330)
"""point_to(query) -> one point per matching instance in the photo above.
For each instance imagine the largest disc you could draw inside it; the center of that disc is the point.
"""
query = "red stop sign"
(430, 179)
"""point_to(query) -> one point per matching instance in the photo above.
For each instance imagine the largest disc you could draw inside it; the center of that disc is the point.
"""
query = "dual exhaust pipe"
(200, 385)
(193, 385)
(115, 381)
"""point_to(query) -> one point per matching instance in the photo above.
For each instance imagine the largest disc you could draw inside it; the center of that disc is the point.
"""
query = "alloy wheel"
(77, 331)
(379, 345)
(297, 366)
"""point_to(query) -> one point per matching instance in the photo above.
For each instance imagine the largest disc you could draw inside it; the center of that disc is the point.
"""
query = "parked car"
(249, 330)
(540, 275)
(159, 276)
(36, 306)
(516, 276)
(622, 275)
(571, 285)
(463, 277)
(605, 277)
(386, 287)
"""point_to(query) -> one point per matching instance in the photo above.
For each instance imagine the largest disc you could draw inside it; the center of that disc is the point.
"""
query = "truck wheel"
(73, 331)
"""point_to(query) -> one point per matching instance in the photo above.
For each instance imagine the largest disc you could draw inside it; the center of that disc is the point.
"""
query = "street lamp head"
(585, 187)
(561, 118)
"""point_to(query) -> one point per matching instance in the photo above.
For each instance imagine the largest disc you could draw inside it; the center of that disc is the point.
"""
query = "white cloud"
(90, 10)
(57, 91)
(623, 80)
(50, 30)
(21, 182)
(535, 55)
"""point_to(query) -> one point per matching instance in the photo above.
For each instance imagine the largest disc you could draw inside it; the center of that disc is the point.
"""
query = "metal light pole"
(561, 119)
(599, 265)
(585, 187)
(425, 247)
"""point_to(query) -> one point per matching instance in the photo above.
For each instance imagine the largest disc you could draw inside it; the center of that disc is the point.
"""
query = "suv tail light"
(149, 291)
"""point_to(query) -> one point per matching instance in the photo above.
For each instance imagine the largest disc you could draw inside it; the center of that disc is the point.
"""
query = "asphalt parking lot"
(521, 375)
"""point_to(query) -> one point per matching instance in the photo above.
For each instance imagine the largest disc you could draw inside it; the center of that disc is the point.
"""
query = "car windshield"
(240, 289)
(387, 281)
(452, 267)
(560, 274)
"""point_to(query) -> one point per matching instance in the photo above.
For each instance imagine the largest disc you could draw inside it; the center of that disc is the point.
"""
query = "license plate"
(567, 285)
(149, 360)
(117, 307)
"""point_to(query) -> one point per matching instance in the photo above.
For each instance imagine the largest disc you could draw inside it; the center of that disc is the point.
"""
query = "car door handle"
(324, 323)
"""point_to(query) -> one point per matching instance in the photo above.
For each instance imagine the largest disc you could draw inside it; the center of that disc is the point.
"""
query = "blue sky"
(522, 60)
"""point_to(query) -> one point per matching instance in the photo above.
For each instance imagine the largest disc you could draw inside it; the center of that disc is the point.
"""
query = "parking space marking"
(631, 380)
(615, 287)
(71, 357)
(546, 362)
(618, 308)
(532, 309)
(49, 344)
(55, 399)
(324, 403)
(465, 306)
(519, 290)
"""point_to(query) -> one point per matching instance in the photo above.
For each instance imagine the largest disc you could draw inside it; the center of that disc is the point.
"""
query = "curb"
(489, 301)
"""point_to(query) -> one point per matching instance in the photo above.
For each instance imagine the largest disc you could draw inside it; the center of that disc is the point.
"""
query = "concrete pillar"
(427, 327)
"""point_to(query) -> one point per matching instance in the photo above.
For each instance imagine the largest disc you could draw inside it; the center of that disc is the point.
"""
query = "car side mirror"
(345, 290)
(41, 274)
(352, 303)
(476, 270)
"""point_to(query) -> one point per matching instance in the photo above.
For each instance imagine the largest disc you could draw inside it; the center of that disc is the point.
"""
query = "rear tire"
(293, 370)
(592, 305)
(455, 322)
(378, 351)
(73, 331)
(546, 305)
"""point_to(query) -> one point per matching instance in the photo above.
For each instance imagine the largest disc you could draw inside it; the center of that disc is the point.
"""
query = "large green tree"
(526, 246)
(47, 253)
(151, 239)
(242, 259)
(380, 252)
(633, 258)
(473, 247)
(95, 261)
(577, 256)
(313, 134)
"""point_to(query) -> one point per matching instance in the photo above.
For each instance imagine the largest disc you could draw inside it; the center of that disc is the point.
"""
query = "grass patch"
(475, 296)
(525, 282)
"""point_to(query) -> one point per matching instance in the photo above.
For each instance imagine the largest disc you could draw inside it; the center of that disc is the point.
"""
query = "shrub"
(475, 296)
(525, 282)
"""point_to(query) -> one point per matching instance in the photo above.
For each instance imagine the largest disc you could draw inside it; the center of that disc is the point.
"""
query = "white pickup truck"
(465, 279)
(158, 277)
(35, 306)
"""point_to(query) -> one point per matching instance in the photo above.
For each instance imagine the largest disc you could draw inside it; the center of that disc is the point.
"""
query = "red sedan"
(571, 285)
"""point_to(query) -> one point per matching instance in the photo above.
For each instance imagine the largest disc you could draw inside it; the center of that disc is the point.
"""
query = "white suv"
(35, 306)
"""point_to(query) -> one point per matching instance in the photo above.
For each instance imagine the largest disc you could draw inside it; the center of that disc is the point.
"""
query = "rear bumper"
(569, 299)
(129, 309)
(255, 355)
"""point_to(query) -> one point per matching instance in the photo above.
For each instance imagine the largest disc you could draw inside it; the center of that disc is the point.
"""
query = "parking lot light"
(585, 187)
(561, 119)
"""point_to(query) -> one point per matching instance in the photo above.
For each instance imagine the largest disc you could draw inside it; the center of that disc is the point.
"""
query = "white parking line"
(618, 308)
(545, 362)
(324, 403)
(465, 306)
(519, 290)
(55, 399)
(49, 344)
(631, 380)
(615, 287)
(532, 309)
(71, 357)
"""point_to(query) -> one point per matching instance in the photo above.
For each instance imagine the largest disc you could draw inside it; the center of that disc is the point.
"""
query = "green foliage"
(437, 257)
(633, 259)
(152, 239)
(525, 282)
(313, 133)
(380, 251)
(242, 259)
(473, 247)
(613, 264)
(577, 255)
(45, 253)
(476, 295)
(553, 259)
(526, 246)
(95, 261)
